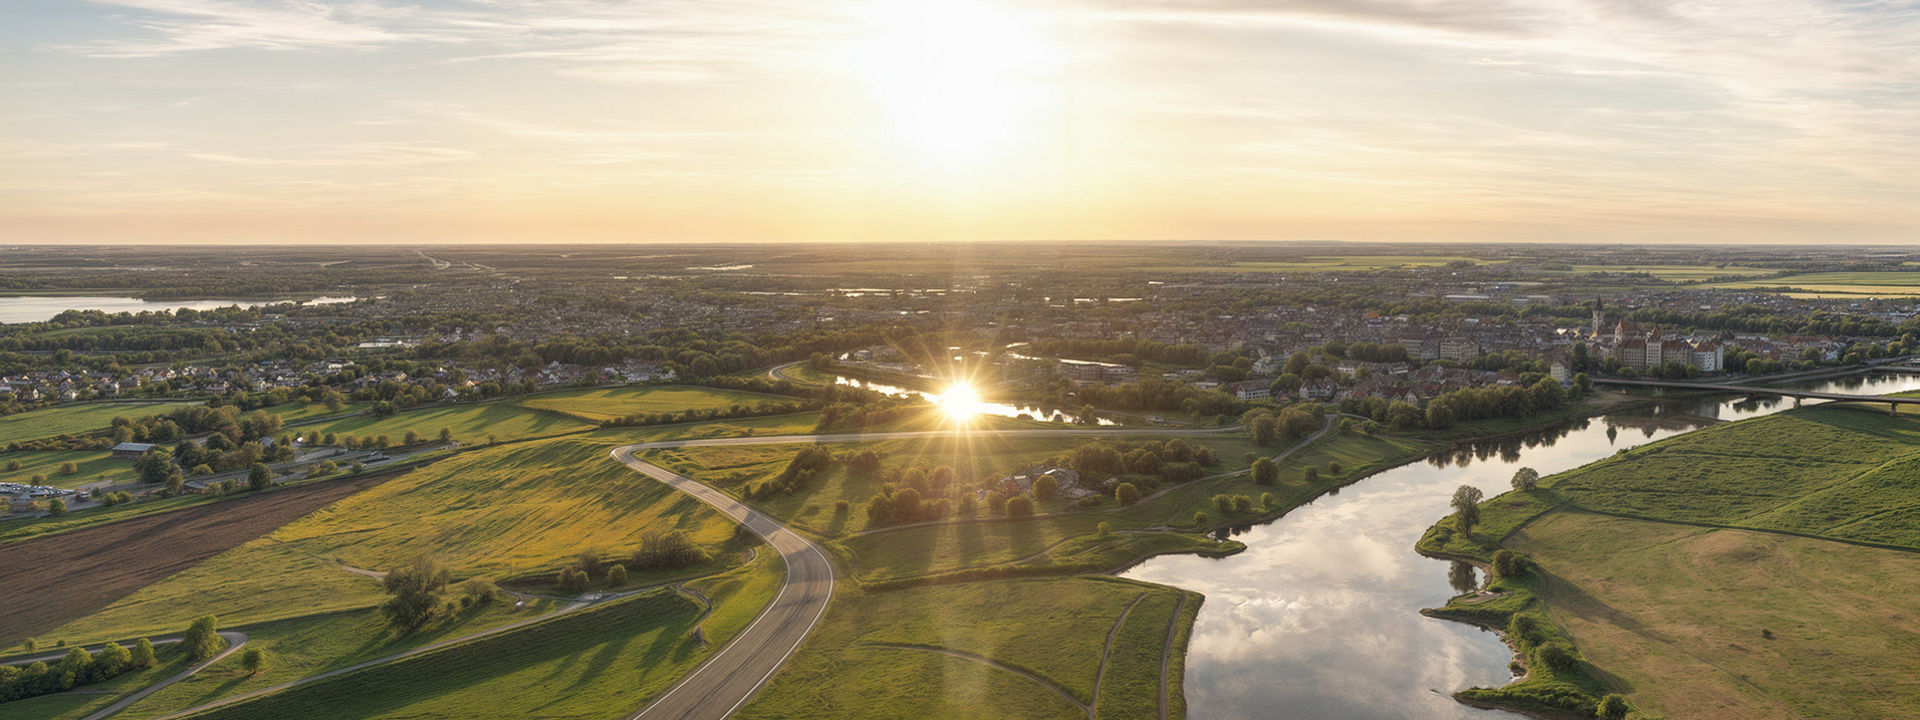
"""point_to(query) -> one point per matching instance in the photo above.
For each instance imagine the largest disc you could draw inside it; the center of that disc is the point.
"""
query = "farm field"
(602, 404)
(75, 419)
(1697, 622)
(1337, 262)
(1674, 272)
(1012, 648)
(1867, 283)
(121, 558)
(468, 423)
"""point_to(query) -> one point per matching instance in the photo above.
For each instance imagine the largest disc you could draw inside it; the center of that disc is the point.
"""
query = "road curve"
(728, 679)
(731, 677)
(234, 641)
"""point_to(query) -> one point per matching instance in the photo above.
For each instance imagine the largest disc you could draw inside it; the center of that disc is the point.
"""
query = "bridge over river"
(1893, 401)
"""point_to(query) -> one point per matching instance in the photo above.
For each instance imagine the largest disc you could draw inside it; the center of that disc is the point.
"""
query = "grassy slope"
(469, 423)
(76, 418)
(1677, 614)
(499, 511)
(603, 662)
(1052, 627)
(75, 705)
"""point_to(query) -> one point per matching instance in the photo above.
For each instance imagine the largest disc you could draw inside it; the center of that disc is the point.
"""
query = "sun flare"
(960, 401)
(951, 75)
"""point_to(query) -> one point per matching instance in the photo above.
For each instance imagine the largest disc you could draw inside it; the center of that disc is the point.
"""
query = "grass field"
(1722, 623)
(1674, 272)
(470, 424)
(1336, 263)
(1865, 284)
(602, 404)
(878, 655)
(88, 699)
(307, 645)
(75, 419)
(600, 663)
(92, 466)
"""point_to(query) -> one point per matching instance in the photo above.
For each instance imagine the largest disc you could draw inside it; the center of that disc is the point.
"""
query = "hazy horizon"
(468, 121)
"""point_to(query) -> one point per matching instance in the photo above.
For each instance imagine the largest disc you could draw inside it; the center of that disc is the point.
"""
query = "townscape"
(977, 438)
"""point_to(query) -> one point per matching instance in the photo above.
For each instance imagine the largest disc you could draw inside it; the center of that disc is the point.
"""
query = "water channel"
(1318, 618)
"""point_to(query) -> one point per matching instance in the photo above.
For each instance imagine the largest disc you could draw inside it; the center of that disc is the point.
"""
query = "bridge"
(1893, 402)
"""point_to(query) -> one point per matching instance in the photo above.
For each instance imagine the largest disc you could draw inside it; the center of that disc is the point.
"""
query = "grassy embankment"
(601, 662)
(1756, 569)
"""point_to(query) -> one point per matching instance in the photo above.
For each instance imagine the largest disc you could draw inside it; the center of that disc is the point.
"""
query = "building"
(22, 502)
(1248, 390)
(1459, 349)
(131, 450)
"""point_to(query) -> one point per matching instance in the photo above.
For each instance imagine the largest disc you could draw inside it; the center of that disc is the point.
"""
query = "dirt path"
(1166, 651)
(1100, 677)
(234, 641)
(1048, 684)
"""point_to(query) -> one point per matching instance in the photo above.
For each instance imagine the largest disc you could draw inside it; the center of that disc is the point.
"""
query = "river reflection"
(1028, 412)
(1318, 618)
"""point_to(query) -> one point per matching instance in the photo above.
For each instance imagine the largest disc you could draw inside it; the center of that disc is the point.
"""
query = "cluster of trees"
(706, 414)
(1291, 423)
(77, 668)
(1141, 462)
(671, 550)
(799, 473)
(1148, 395)
(893, 506)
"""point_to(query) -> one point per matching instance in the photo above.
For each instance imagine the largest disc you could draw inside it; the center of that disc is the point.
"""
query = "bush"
(479, 591)
(1612, 707)
(842, 507)
(1268, 501)
(1334, 468)
(57, 507)
(254, 659)
(1127, 494)
(1046, 488)
(202, 639)
(1265, 472)
(666, 551)
(1104, 529)
(1223, 503)
(1019, 506)
(1508, 564)
(617, 575)
(1311, 474)
(1555, 657)
(1200, 518)
(259, 477)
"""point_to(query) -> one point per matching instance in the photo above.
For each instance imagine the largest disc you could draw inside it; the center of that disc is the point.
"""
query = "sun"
(960, 401)
(952, 76)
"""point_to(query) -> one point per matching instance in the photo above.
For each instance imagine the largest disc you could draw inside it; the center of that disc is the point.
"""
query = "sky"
(302, 121)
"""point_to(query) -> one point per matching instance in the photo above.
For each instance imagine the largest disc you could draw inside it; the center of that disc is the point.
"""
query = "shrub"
(57, 507)
(842, 507)
(1104, 529)
(617, 575)
(1019, 506)
(202, 639)
(1265, 472)
(1311, 474)
(1268, 501)
(1223, 503)
(1555, 657)
(1507, 563)
(666, 551)
(69, 468)
(1334, 468)
(1127, 494)
(142, 654)
(254, 659)
(1200, 518)
(1242, 503)
(1612, 707)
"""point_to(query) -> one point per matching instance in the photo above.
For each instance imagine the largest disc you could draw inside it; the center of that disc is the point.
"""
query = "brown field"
(52, 580)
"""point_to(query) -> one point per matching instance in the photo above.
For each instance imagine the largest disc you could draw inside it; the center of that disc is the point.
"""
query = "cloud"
(175, 26)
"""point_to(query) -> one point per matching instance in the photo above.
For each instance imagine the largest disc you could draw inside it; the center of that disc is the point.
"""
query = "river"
(967, 405)
(1318, 618)
(37, 308)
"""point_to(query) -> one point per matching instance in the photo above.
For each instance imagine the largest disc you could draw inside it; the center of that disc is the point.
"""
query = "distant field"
(1675, 272)
(74, 419)
(469, 423)
(601, 404)
(297, 411)
(1721, 623)
(1336, 262)
(1869, 284)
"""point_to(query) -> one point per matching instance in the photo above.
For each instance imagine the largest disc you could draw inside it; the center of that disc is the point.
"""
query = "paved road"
(731, 677)
(728, 679)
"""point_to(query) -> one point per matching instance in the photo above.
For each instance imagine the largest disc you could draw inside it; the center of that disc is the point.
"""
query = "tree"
(57, 507)
(1466, 507)
(1311, 474)
(1200, 518)
(617, 575)
(176, 483)
(254, 660)
(142, 654)
(69, 468)
(1223, 503)
(1264, 429)
(1333, 468)
(1526, 479)
(111, 661)
(1265, 472)
(1046, 488)
(1127, 494)
(13, 466)
(1554, 657)
(1104, 529)
(481, 591)
(259, 477)
(996, 503)
(154, 465)
(1612, 707)
(1268, 501)
(1020, 505)
(414, 591)
(1507, 563)
(446, 435)
(573, 581)
(202, 639)
(411, 438)
(880, 510)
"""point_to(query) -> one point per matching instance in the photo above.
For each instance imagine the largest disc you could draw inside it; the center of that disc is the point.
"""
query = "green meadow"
(75, 419)
(603, 404)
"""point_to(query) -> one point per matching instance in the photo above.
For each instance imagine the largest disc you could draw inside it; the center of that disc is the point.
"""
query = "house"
(22, 502)
(1248, 390)
(131, 450)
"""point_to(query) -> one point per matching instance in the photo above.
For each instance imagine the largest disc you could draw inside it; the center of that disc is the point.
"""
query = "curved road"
(731, 677)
